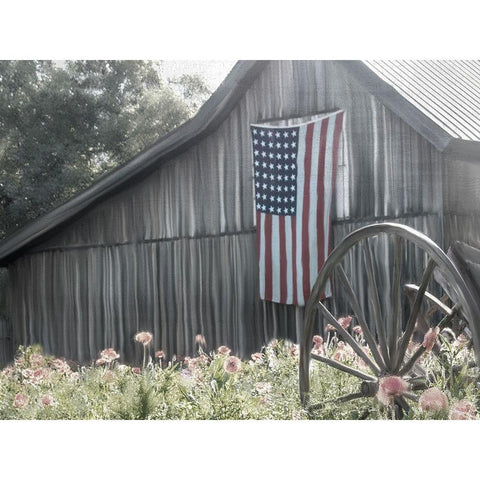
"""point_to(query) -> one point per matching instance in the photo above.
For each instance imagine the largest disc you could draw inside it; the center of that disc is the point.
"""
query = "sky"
(213, 71)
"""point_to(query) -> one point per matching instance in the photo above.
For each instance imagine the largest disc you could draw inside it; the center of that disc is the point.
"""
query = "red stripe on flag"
(321, 195)
(268, 257)
(306, 211)
(259, 232)
(259, 235)
(283, 259)
(294, 259)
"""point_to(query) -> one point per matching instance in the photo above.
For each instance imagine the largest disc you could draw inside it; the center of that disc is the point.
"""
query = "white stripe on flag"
(275, 259)
(298, 213)
(261, 262)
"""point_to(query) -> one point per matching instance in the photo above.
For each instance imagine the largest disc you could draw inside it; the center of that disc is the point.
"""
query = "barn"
(166, 242)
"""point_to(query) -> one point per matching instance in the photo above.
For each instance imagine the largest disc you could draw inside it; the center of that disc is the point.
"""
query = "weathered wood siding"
(462, 199)
(175, 253)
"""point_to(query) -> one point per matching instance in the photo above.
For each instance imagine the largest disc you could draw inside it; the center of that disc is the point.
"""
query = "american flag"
(294, 175)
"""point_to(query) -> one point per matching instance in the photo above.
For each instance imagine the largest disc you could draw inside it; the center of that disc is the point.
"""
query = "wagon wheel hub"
(369, 388)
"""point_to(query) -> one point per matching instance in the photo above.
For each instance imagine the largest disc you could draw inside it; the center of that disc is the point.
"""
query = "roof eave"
(466, 150)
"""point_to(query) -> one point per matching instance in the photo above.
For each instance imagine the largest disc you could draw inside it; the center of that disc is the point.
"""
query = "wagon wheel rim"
(392, 358)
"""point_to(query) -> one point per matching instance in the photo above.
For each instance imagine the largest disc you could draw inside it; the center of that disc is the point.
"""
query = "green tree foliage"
(63, 125)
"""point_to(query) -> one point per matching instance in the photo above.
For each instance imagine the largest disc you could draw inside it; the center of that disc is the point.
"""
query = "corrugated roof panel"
(447, 91)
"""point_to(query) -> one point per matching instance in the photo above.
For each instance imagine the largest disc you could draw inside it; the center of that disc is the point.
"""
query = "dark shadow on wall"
(6, 334)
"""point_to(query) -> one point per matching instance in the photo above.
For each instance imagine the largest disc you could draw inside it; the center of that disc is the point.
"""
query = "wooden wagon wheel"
(388, 343)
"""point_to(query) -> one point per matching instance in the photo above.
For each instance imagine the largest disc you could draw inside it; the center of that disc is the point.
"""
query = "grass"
(213, 386)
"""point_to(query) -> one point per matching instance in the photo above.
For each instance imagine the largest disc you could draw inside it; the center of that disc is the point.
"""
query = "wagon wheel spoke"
(403, 404)
(349, 339)
(405, 339)
(355, 304)
(373, 294)
(344, 398)
(411, 396)
(458, 368)
(343, 368)
(418, 383)
(438, 304)
(412, 360)
(421, 349)
(397, 271)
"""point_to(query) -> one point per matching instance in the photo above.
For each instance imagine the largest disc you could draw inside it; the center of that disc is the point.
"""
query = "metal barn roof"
(446, 91)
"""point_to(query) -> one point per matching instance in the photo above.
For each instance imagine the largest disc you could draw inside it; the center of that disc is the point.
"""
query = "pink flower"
(462, 410)
(20, 400)
(319, 350)
(223, 350)
(109, 376)
(19, 362)
(318, 347)
(257, 357)
(232, 364)
(460, 341)
(27, 373)
(109, 355)
(433, 400)
(8, 371)
(345, 321)
(46, 400)
(136, 370)
(358, 330)
(200, 339)
(340, 354)
(391, 386)
(100, 361)
(430, 338)
(39, 375)
(144, 338)
(193, 363)
(330, 327)
(36, 360)
(60, 365)
(160, 354)
(203, 359)
(293, 351)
